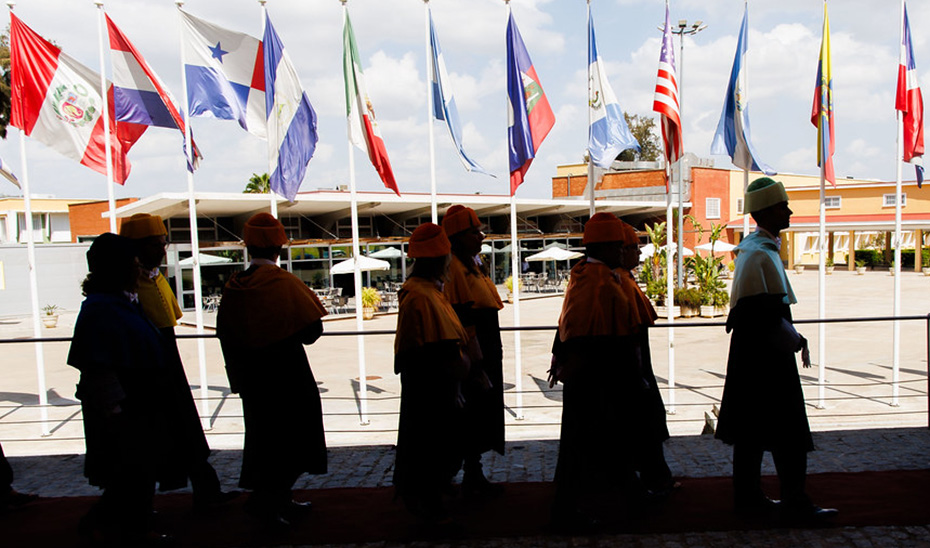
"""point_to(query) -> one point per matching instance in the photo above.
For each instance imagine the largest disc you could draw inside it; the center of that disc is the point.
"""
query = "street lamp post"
(682, 30)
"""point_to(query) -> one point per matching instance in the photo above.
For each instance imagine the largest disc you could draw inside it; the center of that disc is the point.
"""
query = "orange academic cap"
(459, 218)
(429, 240)
(142, 225)
(603, 227)
(263, 230)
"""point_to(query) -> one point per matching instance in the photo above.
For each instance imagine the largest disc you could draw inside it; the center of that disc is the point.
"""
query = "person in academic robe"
(160, 306)
(265, 318)
(476, 302)
(611, 413)
(10, 498)
(762, 408)
(430, 355)
(124, 377)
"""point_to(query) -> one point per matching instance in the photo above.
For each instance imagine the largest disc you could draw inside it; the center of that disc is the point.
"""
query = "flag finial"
(11, 5)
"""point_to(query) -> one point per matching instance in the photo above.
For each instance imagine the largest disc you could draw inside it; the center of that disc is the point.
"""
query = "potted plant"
(798, 268)
(508, 283)
(370, 299)
(860, 267)
(891, 268)
(829, 265)
(50, 319)
(689, 300)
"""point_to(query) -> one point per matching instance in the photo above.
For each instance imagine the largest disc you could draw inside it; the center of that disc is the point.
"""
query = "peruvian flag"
(910, 103)
(57, 101)
(363, 128)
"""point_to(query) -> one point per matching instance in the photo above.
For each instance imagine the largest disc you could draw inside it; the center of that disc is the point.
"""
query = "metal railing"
(516, 413)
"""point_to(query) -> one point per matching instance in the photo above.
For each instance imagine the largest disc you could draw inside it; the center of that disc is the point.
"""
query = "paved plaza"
(858, 428)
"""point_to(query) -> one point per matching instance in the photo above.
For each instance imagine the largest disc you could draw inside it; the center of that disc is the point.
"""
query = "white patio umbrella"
(718, 246)
(387, 253)
(365, 264)
(485, 248)
(554, 254)
(649, 250)
(205, 258)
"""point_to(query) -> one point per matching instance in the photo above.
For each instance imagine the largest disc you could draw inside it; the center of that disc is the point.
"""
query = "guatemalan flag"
(364, 132)
(292, 133)
(530, 115)
(733, 136)
(57, 101)
(225, 74)
(443, 101)
(609, 134)
(139, 97)
(911, 103)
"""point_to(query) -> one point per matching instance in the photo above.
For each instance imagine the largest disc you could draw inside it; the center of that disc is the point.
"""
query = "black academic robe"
(763, 403)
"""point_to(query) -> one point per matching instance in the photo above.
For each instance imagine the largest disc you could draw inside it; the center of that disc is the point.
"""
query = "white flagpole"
(822, 291)
(589, 188)
(429, 116)
(744, 76)
(670, 291)
(356, 255)
(195, 243)
(515, 271)
(896, 336)
(111, 198)
(271, 193)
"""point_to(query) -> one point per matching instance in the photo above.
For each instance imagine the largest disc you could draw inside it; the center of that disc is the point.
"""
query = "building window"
(739, 206)
(834, 202)
(712, 207)
(888, 200)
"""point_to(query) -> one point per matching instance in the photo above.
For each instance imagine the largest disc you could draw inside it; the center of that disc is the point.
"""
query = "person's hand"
(805, 353)
(553, 375)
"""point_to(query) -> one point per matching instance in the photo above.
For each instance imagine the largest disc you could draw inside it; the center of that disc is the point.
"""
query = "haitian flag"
(139, 97)
(57, 101)
(910, 102)
(291, 120)
(530, 115)
(225, 74)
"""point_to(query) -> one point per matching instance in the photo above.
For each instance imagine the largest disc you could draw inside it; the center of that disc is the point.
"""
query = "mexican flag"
(363, 128)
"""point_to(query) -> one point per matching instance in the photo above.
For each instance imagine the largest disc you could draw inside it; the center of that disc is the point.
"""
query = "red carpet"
(368, 515)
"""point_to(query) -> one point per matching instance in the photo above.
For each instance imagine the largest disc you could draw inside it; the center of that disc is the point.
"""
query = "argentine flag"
(609, 135)
(733, 137)
(291, 120)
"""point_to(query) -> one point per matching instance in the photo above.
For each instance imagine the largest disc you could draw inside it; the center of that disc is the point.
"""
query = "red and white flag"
(911, 103)
(666, 97)
(363, 127)
(57, 101)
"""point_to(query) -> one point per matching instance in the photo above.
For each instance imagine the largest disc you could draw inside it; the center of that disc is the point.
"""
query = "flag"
(733, 136)
(363, 127)
(666, 96)
(911, 103)
(8, 173)
(609, 134)
(292, 133)
(139, 97)
(531, 117)
(57, 101)
(822, 111)
(443, 101)
(225, 74)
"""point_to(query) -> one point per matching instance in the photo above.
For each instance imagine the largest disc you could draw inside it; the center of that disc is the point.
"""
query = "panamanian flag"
(225, 74)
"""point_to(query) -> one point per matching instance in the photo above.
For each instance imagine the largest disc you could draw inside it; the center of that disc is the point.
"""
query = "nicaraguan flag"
(531, 117)
(444, 102)
(733, 136)
(609, 134)
(292, 133)
(910, 102)
(225, 74)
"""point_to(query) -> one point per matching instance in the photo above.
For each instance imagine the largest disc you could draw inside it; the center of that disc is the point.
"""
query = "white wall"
(60, 269)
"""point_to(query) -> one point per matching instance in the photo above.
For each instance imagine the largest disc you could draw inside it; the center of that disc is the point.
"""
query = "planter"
(711, 311)
(860, 270)
(50, 320)
(798, 268)
(690, 311)
(926, 270)
(368, 312)
(510, 297)
(662, 311)
(829, 269)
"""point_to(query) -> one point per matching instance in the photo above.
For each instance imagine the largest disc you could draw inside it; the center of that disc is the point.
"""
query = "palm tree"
(258, 184)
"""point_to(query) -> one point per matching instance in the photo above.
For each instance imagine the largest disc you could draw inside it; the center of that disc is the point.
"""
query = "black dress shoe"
(217, 498)
(807, 513)
(758, 507)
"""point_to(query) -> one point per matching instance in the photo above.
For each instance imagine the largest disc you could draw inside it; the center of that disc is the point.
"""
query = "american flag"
(911, 103)
(666, 98)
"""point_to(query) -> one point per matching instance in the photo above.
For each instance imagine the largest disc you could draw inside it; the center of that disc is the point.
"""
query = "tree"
(642, 128)
(258, 184)
(4, 81)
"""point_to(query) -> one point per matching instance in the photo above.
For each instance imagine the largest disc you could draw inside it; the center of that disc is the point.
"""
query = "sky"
(784, 45)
